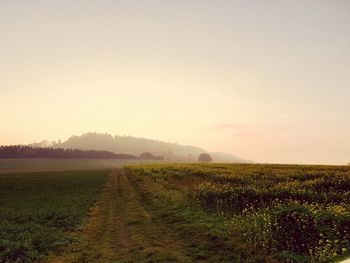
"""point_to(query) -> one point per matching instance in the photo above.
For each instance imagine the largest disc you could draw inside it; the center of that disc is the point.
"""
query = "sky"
(265, 80)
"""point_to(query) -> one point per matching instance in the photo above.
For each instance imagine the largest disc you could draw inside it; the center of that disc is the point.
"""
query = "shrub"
(294, 229)
(205, 158)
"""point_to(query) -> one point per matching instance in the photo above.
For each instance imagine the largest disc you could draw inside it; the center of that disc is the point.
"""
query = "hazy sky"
(265, 80)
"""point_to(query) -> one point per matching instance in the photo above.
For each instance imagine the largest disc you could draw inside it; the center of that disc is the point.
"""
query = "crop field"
(39, 211)
(63, 164)
(238, 213)
(286, 212)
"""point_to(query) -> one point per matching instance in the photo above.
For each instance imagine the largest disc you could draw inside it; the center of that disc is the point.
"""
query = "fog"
(266, 81)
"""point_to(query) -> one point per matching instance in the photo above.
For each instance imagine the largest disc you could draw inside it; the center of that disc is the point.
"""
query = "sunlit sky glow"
(265, 80)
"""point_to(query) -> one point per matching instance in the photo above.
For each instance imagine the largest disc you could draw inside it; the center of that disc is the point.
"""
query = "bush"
(294, 229)
(205, 158)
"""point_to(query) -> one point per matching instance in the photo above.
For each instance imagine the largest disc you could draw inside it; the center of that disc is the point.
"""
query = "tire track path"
(121, 229)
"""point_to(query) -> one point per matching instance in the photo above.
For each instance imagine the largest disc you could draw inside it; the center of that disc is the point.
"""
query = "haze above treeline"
(266, 80)
(136, 146)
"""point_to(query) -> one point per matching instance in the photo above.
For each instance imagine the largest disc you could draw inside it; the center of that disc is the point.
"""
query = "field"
(56, 164)
(177, 213)
(39, 211)
(290, 213)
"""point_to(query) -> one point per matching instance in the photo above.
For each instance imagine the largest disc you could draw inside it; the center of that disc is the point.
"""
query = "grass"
(137, 219)
(203, 236)
(177, 213)
(38, 211)
(287, 212)
(47, 164)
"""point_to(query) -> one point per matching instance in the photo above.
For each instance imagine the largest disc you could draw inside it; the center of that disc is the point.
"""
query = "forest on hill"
(136, 146)
(19, 151)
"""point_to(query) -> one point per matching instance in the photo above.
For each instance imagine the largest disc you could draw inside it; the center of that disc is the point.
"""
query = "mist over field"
(137, 146)
(266, 81)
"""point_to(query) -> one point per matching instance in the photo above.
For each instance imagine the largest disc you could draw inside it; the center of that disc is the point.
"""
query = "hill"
(136, 146)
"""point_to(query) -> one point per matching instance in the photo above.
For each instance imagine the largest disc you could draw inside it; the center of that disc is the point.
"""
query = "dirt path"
(122, 227)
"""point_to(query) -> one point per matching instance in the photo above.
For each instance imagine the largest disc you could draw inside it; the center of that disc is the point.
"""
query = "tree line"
(18, 151)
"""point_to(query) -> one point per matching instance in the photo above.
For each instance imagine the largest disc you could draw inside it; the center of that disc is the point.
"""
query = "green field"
(176, 213)
(47, 164)
(39, 211)
(291, 213)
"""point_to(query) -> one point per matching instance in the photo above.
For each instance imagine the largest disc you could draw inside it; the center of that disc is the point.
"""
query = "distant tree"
(205, 158)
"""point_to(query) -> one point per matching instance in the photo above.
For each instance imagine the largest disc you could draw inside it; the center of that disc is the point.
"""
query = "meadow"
(39, 211)
(27, 165)
(291, 213)
(176, 213)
